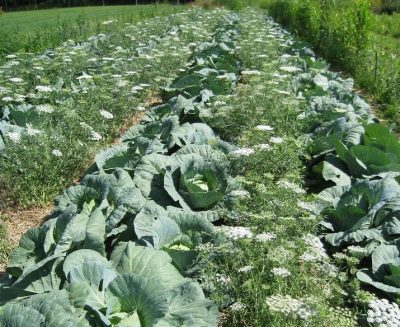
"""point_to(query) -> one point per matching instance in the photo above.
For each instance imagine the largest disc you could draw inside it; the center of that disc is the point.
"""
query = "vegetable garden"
(258, 189)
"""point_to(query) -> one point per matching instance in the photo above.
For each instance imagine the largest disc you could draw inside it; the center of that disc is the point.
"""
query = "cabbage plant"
(196, 184)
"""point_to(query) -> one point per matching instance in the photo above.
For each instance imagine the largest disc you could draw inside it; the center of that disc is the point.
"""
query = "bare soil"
(18, 221)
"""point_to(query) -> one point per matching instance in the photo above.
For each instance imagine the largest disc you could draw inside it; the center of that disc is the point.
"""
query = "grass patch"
(388, 25)
(5, 245)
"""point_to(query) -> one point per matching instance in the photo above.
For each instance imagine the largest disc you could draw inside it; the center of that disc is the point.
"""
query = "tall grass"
(230, 4)
(340, 31)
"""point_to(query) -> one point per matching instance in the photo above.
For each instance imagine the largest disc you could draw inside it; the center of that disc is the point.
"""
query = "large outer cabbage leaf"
(361, 212)
(49, 309)
(177, 232)
(385, 272)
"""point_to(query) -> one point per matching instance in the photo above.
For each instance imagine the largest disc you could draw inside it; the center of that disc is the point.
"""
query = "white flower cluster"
(108, 22)
(94, 136)
(219, 103)
(306, 206)
(106, 114)
(240, 193)
(382, 313)
(328, 268)
(342, 317)
(222, 279)
(32, 131)
(281, 272)
(316, 250)
(16, 80)
(84, 76)
(281, 92)
(246, 269)
(206, 247)
(309, 257)
(276, 140)
(15, 137)
(263, 147)
(279, 76)
(43, 88)
(286, 56)
(238, 232)
(56, 153)
(135, 89)
(313, 241)
(290, 69)
(237, 306)
(251, 72)
(289, 306)
(265, 128)
(46, 108)
(291, 186)
(265, 237)
(243, 152)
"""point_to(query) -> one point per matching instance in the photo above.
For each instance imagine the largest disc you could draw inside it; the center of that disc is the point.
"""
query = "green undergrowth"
(275, 271)
(5, 245)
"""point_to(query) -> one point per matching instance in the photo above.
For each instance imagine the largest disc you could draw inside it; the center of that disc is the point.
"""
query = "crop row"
(276, 271)
(65, 103)
(354, 167)
(119, 247)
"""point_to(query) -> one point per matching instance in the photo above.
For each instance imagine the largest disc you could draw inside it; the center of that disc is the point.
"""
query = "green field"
(29, 21)
(33, 31)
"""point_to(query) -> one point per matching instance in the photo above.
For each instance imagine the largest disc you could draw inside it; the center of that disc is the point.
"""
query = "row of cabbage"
(354, 168)
(40, 93)
(120, 247)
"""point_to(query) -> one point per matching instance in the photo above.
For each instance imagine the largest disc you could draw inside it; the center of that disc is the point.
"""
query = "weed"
(5, 245)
